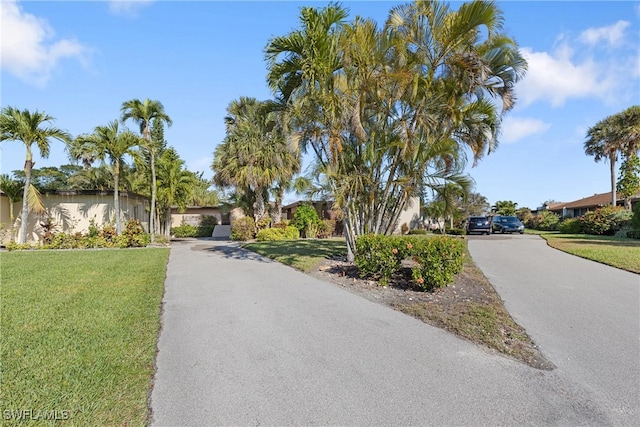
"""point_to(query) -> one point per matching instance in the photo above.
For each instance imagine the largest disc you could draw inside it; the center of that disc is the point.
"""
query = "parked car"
(506, 224)
(478, 224)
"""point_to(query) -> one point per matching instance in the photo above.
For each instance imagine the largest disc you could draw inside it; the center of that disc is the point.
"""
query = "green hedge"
(273, 234)
(436, 260)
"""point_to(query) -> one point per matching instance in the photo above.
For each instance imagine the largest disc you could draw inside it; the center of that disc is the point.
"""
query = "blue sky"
(78, 61)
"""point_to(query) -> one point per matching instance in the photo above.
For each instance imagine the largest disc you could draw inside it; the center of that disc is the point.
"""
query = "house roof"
(596, 200)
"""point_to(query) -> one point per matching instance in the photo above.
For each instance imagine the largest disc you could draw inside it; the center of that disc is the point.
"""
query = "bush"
(270, 234)
(133, 235)
(544, 221)
(184, 230)
(417, 231)
(605, 220)
(291, 233)
(263, 223)
(571, 226)
(437, 260)
(326, 228)
(306, 220)
(243, 229)
(635, 221)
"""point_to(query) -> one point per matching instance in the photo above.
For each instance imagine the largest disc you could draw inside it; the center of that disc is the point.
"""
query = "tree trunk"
(116, 198)
(28, 165)
(167, 223)
(612, 162)
(152, 215)
(259, 205)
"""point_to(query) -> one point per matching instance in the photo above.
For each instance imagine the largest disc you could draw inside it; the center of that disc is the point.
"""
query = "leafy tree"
(108, 144)
(618, 133)
(306, 220)
(389, 112)
(505, 207)
(144, 113)
(50, 178)
(92, 178)
(629, 181)
(29, 128)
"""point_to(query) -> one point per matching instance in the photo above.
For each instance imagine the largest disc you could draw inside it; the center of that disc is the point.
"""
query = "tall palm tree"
(29, 128)
(611, 136)
(255, 153)
(143, 113)
(108, 144)
(176, 185)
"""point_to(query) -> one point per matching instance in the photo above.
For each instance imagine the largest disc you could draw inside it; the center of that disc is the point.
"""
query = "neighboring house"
(580, 207)
(409, 216)
(73, 210)
(194, 214)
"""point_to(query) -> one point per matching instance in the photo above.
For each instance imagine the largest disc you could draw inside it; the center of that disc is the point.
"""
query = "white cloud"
(28, 48)
(127, 7)
(612, 34)
(515, 129)
(555, 77)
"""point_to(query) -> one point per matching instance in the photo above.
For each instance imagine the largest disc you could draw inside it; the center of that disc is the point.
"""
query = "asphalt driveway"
(247, 341)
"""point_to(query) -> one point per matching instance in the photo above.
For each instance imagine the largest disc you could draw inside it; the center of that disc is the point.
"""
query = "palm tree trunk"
(612, 163)
(259, 209)
(28, 165)
(153, 197)
(116, 198)
(167, 223)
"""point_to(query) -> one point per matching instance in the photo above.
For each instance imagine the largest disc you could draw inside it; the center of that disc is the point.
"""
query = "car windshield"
(508, 219)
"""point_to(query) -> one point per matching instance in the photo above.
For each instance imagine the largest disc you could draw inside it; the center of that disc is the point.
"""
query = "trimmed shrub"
(243, 229)
(291, 233)
(417, 231)
(133, 235)
(185, 230)
(571, 226)
(270, 234)
(326, 228)
(436, 260)
(263, 223)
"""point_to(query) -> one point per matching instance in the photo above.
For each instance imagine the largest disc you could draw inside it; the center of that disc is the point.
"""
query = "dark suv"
(478, 224)
(506, 224)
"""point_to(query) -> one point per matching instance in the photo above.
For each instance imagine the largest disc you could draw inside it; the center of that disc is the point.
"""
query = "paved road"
(247, 341)
(585, 316)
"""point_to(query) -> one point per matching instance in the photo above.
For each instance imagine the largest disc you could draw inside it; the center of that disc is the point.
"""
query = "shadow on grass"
(596, 241)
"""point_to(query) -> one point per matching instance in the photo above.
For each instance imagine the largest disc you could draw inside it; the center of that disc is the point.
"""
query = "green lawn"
(79, 335)
(302, 254)
(618, 252)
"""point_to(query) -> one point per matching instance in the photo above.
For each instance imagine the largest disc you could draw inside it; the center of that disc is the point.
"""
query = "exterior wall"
(409, 216)
(193, 215)
(73, 212)
(5, 218)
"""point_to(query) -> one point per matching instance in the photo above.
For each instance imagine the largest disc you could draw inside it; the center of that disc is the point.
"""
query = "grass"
(303, 254)
(618, 252)
(79, 335)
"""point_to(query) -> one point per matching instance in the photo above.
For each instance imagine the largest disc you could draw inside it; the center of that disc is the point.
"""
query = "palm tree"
(30, 128)
(389, 112)
(14, 192)
(176, 184)
(611, 136)
(255, 153)
(108, 144)
(143, 112)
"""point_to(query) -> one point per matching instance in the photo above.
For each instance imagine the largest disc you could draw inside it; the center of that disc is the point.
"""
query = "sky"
(78, 61)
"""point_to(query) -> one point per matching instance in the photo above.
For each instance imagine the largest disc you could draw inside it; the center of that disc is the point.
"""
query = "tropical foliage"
(616, 134)
(109, 144)
(390, 111)
(29, 128)
(256, 155)
(144, 113)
